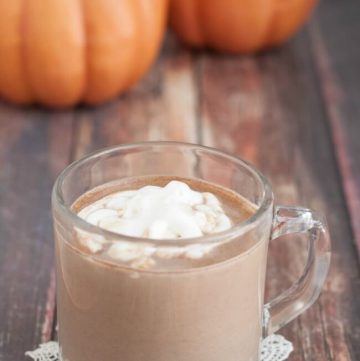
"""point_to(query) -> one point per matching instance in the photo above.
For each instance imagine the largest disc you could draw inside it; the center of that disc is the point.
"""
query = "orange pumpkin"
(61, 52)
(238, 26)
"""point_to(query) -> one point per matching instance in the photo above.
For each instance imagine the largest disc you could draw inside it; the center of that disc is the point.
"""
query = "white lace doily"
(273, 348)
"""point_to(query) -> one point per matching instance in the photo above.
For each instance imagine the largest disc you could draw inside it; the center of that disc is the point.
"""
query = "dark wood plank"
(327, 325)
(268, 109)
(34, 146)
(335, 35)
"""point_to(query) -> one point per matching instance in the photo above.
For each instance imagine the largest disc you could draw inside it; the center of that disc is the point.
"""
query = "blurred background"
(274, 82)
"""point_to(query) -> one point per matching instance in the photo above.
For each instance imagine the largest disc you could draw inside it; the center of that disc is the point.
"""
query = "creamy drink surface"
(134, 301)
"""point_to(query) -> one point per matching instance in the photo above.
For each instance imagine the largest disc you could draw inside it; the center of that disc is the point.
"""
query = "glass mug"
(209, 309)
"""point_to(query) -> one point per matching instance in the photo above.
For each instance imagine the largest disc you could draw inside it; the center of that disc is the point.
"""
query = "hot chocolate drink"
(136, 300)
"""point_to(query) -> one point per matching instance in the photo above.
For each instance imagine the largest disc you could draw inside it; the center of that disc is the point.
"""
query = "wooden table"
(294, 112)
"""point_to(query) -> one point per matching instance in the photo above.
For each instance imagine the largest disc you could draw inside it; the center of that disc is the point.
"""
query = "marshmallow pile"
(169, 212)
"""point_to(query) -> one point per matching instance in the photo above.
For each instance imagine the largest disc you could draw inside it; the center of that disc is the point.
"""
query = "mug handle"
(303, 293)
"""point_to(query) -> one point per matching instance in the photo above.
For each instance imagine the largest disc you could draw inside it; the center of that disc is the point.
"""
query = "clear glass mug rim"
(236, 230)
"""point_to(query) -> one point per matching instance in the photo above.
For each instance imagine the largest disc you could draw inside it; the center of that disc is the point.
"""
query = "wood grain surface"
(294, 112)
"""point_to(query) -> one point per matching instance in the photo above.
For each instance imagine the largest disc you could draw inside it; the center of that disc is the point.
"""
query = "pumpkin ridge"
(109, 63)
(12, 69)
(200, 29)
(86, 52)
(140, 29)
(26, 77)
(129, 80)
(158, 33)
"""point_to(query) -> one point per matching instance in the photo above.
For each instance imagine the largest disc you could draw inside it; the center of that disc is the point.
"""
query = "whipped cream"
(170, 212)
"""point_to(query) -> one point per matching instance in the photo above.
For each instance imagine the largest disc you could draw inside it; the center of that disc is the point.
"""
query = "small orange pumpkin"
(61, 52)
(238, 26)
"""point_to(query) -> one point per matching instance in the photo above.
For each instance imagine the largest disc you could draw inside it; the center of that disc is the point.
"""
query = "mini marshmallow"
(98, 215)
(127, 251)
(93, 243)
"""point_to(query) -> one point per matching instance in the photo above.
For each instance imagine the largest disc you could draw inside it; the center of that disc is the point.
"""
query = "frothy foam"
(170, 212)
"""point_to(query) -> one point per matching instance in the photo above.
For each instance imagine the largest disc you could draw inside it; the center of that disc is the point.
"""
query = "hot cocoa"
(134, 300)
